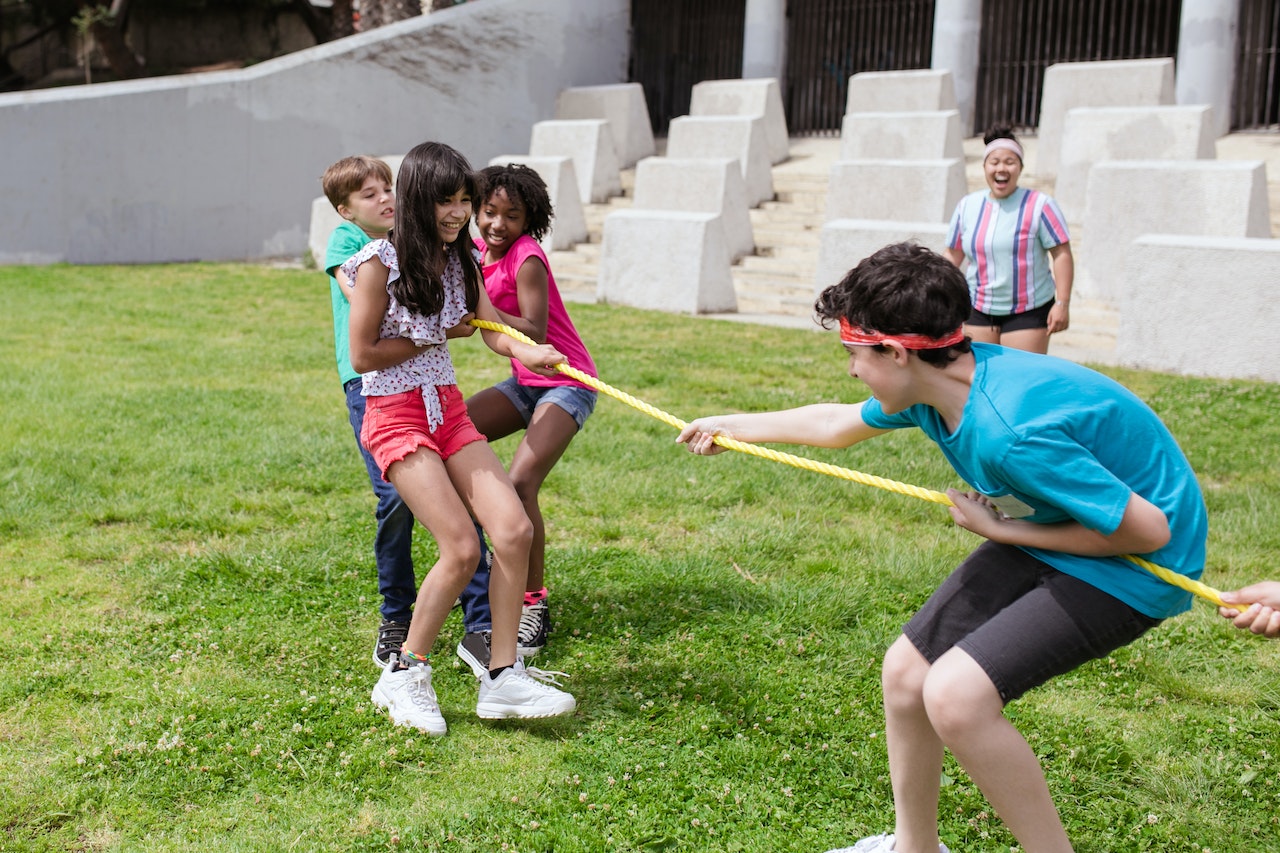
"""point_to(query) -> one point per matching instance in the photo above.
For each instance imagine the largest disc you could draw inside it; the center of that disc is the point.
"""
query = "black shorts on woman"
(1036, 318)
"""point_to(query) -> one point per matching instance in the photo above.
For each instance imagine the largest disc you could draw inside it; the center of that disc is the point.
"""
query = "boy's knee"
(958, 696)
(902, 675)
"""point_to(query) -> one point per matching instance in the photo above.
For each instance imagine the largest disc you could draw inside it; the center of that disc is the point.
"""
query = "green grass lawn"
(188, 602)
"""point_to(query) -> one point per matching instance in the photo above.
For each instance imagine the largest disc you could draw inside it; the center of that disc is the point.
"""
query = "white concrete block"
(1095, 134)
(569, 225)
(589, 143)
(845, 242)
(739, 137)
(1111, 83)
(758, 98)
(323, 220)
(895, 190)
(623, 105)
(698, 186)
(667, 261)
(1225, 319)
(888, 91)
(1129, 198)
(929, 135)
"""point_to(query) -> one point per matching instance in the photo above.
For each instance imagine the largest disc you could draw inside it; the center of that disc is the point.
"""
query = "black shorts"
(1022, 620)
(1036, 318)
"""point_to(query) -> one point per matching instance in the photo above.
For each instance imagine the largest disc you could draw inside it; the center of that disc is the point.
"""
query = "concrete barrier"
(758, 98)
(1129, 198)
(622, 105)
(930, 135)
(1094, 135)
(889, 91)
(569, 225)
(895, 190)
(667, 261)
(1111, 83)
(1225, 321)
(698, 186)
(739, 137)
(845, 242)
(589, 143)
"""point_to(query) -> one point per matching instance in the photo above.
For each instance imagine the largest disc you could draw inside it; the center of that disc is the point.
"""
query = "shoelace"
(530, 622)
(546, 676)
(420, 688)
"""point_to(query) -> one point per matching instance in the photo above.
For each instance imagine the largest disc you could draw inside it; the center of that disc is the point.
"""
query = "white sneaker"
(522, 692)
(408, 695)
(878, 844)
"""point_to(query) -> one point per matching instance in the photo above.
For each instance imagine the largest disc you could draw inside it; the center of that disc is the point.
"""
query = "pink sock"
(532, 598)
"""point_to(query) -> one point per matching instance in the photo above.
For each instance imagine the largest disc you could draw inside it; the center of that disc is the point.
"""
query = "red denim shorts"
(396, 425)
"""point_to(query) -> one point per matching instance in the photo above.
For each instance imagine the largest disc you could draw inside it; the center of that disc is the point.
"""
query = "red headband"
(858, 336)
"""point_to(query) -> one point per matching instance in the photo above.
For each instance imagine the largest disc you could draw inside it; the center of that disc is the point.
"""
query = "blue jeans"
(393, 543)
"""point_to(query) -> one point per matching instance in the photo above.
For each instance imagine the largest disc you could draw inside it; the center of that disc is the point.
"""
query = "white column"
(956, 27)
(1206, 57)
(764, 39)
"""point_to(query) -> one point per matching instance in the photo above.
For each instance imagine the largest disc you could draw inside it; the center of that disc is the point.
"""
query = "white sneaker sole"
(497, 711)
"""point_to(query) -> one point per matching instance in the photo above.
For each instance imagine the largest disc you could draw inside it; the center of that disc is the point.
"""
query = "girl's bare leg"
(424, 483)
(480, 480)
(968, 715)
(983, 334)
(549, 433)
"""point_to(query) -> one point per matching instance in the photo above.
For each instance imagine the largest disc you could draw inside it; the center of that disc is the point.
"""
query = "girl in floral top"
(409, 293)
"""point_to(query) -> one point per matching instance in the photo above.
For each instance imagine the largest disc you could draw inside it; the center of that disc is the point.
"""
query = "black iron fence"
(1022, 38)
(828, 41)
(677, 43)
(1256, 105)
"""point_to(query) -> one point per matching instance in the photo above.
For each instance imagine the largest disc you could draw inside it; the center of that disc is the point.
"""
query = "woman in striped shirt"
(1019, 252)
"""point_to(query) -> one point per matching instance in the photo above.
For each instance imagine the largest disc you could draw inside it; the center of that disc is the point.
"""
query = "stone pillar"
(1206, 57)
(956, 27)
(764, 39)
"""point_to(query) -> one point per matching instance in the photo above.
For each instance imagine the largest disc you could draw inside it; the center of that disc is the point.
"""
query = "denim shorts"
(579, 402)
(1023, 621)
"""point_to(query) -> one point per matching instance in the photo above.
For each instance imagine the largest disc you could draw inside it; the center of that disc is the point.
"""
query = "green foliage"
(187, 602)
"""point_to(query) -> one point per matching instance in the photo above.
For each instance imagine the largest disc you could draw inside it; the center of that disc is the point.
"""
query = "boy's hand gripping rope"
(1190, 585)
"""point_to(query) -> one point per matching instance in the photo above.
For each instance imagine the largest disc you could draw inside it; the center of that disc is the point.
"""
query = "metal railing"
(828, 41)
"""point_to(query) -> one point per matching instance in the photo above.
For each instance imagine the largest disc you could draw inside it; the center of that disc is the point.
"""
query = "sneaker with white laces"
(878, 844)
(535, 622)
(391, 636)
(522, 692)
(408, 695)
(474, 651)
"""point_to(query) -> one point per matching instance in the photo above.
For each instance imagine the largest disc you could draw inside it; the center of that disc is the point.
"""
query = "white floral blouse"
(432, 366)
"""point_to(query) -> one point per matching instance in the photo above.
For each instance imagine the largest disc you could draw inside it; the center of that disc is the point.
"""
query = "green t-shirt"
(345, 241)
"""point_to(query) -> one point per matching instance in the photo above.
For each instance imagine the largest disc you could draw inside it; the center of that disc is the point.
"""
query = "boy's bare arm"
(819, 425)
(1143, 529)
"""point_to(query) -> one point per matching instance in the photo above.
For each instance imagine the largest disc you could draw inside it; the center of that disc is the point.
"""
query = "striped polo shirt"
(1006, 242)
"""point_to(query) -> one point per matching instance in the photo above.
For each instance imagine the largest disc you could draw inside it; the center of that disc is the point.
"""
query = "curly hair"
(429, 175)
(523, 186)
(902, 289)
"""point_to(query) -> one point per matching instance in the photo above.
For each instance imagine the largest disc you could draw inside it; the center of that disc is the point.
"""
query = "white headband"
(1003, 143)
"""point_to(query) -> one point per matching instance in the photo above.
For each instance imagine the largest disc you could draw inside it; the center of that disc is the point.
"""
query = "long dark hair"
(429, 175)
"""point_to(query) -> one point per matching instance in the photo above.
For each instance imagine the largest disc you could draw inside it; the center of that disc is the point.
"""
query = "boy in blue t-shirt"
(1058, 490)
(360, 189)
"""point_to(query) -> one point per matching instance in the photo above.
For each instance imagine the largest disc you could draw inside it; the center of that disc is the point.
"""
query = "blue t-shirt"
(345, 241)
(1051, 441)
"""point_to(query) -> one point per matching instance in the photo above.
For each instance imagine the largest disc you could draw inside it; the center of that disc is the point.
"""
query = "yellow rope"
(1178, 580)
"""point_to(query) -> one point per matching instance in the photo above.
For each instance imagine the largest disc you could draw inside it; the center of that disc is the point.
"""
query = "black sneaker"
(391, 636)
(535, 622)
(474, 651)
